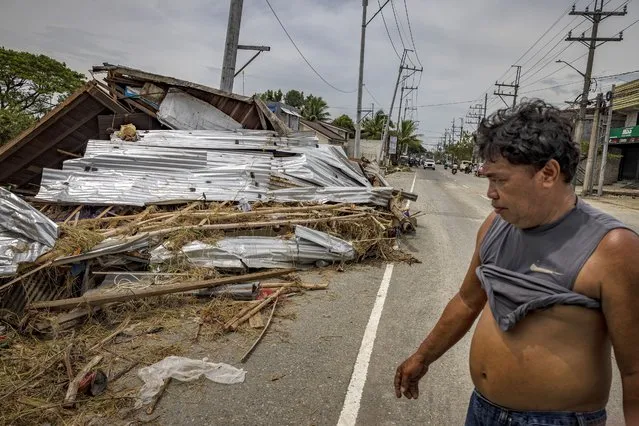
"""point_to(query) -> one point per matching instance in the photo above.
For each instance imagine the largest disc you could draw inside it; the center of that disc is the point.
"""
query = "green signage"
(624, 133)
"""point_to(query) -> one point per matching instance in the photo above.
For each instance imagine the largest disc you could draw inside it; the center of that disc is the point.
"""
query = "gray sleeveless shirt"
(523, 270)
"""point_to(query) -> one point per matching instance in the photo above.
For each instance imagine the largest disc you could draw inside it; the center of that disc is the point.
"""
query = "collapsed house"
(144, 187)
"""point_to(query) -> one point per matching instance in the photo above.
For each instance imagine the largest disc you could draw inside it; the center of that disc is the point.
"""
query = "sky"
(464, 47)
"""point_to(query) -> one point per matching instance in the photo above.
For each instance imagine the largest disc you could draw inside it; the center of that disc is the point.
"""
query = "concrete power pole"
(604, 154)
(360, 83)
(230, 48)
(592, 148)
(514, 85)
(402, 67)
(360, 80)
(595, 16)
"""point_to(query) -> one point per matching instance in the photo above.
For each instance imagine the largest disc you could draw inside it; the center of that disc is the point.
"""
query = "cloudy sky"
(464, 46)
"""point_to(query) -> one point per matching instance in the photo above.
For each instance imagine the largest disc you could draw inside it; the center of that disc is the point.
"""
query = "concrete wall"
(612, 171)
(631, 119)
(322, 138)
(369, 148)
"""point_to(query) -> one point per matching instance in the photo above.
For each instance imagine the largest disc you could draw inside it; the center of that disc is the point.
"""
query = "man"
(562, 284)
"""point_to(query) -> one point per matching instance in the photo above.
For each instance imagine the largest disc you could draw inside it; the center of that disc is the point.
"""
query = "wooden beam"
(98, 299)
(67, 153)
(31, 156)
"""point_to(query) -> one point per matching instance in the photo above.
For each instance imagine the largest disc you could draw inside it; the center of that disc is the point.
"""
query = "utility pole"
(360, 78)
(596, 16)
(485, 104)
(230, 48)
(514, 85)
(402, 67)
(401, 99)
(592, 148)
(604, 155)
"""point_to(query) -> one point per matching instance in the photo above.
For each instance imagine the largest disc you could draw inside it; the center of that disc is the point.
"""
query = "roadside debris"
(184, 370)
(158, 237)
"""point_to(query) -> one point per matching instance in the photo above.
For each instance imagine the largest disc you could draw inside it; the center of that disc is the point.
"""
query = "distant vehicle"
(429, 164)
(480, 170)
(438, 162)
(465, 164)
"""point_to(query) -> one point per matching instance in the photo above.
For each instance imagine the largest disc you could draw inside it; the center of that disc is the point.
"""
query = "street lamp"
(593, 89)
(559, 61)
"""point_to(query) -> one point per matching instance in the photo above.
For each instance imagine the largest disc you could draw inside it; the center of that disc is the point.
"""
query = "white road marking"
(350, 410)
(466, 186)
(484, 197)
(412, 187)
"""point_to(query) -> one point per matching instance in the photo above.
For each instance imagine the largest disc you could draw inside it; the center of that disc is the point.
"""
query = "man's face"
(516, 192)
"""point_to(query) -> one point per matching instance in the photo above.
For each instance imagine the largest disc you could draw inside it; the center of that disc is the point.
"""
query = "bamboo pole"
(98, 299)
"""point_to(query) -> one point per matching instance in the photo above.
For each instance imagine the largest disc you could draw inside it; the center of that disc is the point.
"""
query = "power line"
(446, 104)
(388, 32)
(371, 95)
(302, 55)
(399, 29)
(522, 56)
(410, 30)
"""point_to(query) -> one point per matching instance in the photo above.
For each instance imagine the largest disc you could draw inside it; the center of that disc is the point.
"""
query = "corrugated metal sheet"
(207, 165)
(25, 233)
(626, 96)
(182, 111)
(308, 247)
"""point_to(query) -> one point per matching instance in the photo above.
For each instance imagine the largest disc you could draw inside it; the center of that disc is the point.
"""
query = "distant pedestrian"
(561, 280)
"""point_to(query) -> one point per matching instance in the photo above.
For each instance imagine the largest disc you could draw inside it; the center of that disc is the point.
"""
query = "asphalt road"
(300, 373)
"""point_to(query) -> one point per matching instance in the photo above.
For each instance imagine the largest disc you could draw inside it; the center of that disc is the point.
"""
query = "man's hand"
(408, 375)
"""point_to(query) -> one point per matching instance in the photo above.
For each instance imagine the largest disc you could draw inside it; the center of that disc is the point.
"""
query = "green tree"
(294, 98)
(345, 122)
(315, 109)
(373, 127)
(408, 138)
(463, 149)
(272, 96)
(30, 85)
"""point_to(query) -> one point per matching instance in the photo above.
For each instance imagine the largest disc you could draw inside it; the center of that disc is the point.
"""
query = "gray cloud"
(464, 46)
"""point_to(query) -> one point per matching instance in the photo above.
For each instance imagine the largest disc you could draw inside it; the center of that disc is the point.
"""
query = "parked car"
(429, 164)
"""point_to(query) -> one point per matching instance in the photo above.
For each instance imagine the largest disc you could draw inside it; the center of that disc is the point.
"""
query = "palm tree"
(315, 109)
(407, 137)
(373, 127)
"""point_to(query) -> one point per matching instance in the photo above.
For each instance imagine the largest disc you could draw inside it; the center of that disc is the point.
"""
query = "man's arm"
(461, 312)
(457, 318)
(618, 255)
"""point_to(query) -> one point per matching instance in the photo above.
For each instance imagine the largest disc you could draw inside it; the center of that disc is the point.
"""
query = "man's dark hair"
(532, 133)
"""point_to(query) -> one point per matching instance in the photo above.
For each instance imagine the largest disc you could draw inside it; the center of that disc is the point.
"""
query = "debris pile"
(171, 230)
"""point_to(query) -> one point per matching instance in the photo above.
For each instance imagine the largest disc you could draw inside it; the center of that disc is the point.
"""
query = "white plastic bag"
(185, 370)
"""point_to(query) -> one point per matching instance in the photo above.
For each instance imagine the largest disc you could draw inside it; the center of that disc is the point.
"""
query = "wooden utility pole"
(596, 16)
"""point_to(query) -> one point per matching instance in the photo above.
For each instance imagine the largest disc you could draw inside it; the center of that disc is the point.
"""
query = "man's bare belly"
(553, 360)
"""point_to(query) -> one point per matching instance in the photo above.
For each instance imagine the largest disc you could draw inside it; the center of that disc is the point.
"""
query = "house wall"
(631, 119)
(322, 138)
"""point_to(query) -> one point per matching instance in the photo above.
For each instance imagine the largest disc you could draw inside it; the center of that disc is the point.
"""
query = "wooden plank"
(97, 299)
(259, 338)
(68, 154)
(77, 210)
(235, 323)
(72, 391)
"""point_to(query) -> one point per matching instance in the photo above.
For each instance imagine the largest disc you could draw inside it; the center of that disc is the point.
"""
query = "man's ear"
(550, 174)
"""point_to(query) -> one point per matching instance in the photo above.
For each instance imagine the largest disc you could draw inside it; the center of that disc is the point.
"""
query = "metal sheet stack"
(169, 166)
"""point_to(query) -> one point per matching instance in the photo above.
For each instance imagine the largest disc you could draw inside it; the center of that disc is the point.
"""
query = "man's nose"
(492, 192)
